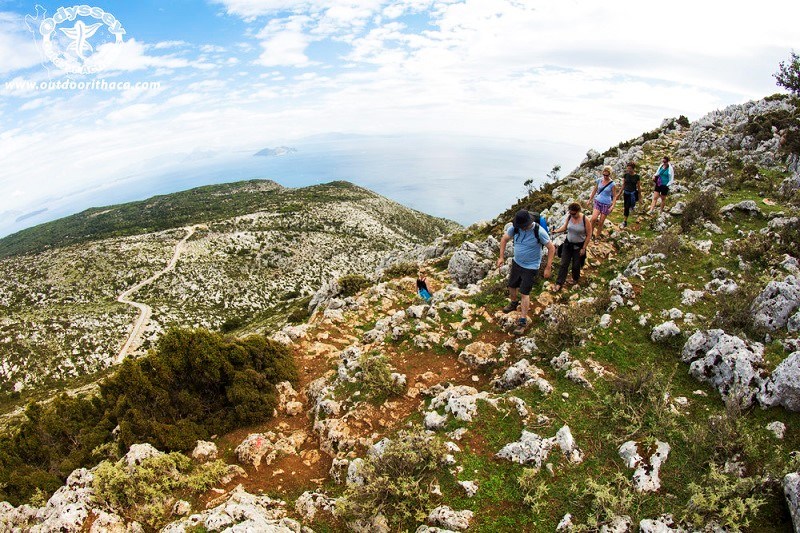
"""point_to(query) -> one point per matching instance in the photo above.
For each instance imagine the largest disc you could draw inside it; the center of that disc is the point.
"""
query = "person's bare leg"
(512, 294)
(600, 225)
(663, 202)
(525, 306)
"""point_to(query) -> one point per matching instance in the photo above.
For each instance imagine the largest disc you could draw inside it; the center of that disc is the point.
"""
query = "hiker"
(631, 191)
(529, 238)
(422, 288)
(604, 200)
(662, 179)
(573, 250)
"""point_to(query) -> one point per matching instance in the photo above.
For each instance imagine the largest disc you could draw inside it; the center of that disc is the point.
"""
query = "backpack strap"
(536, 227)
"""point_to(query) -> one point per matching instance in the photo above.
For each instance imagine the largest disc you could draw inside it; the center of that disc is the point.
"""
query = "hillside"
(660, 394)
(256, 253)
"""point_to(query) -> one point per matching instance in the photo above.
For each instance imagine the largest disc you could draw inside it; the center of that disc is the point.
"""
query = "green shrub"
(397, 483)
(683, 121)
(351, 284)
(604, 501)
(534, 489)
(733, 310)
(376, 375)
(638, 403)
(668, 243)
(145, 493)
(566, 329)
(400, 270)
(726, 500)
(232, 324)
(702, 207)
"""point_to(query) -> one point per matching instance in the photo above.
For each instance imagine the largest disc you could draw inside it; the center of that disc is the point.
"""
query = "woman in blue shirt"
(602, 200)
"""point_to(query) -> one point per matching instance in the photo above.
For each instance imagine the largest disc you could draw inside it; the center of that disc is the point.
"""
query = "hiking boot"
(512, 306)
(522, 324)
(624, 224)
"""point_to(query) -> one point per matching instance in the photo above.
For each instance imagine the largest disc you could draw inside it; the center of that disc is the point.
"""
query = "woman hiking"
(631, 191)
(662, 179)
(604, 200)
(578, 229)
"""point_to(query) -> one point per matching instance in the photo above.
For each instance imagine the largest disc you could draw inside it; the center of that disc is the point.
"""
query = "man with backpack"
(528, 238)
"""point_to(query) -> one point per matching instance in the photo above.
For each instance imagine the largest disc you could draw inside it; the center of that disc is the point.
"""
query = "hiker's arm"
(551, 251)
(563, 228)
(591, 196)
(503, 242)
(616, 197)
(613, 196)
(588, 234)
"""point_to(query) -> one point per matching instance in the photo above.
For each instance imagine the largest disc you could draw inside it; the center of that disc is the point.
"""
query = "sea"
(463, 178)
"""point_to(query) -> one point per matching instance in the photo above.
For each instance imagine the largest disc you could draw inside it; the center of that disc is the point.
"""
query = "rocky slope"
(661, 394)
(59, 315)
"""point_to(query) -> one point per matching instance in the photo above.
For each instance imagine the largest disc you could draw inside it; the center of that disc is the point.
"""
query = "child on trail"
(578, 229)
(422, 288)
(604, 200)
(529, 238)
(662, 179)
(631, 191)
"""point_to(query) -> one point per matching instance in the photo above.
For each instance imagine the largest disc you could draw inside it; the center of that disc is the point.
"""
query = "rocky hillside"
(60, 318)
(660, 394)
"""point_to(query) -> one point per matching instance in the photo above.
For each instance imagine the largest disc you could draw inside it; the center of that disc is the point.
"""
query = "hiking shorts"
(522, 278)
(603, 208)
(663, 190)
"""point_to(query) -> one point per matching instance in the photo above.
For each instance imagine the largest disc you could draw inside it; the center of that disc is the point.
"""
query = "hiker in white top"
(604, 198)
(662, 179)
(578, 228)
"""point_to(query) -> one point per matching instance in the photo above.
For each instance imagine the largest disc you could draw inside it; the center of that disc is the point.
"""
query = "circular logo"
(81, 39)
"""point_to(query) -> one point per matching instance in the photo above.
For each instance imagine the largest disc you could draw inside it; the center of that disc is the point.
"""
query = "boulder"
(204, 451)
(138, 453)
(779, 299)
(461, 401)
(473, 261)
(690, 297)
(470, 487)
(662, 524)
(748, 207)
(791, 488)
(522, 372)
(258, 447)
(777, 428)
(309, 503)
(783, 386)
(646, 477)
(728, 363)
(618, 524)
(665, 331)
(434, 420)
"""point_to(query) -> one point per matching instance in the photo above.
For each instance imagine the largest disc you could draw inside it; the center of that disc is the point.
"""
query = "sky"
(224, 76)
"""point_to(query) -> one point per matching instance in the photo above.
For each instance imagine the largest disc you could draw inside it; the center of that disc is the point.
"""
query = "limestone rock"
(204, 451)
(533, 449)
(241, 512)
(646, 477)
(662, 524)
(478, 354)
(258, 447)
(783, 386)
(726, 362)
(779, 299)
(665, 331)
(434, 420)
(777, 428)
(791, 488)
(460, 400)
(748, 207)
(470, 487)
(471, 262)
(309, 503)
(522, 373)
(447, 518)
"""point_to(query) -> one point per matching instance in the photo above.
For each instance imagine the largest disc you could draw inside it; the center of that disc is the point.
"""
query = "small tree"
(551, 177)
(788, 75)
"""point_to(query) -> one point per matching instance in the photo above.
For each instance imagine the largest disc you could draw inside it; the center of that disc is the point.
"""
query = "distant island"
(29, 215)
(276, 152)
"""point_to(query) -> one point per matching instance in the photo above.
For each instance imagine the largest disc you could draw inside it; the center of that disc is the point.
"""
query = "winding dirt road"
(145, 311)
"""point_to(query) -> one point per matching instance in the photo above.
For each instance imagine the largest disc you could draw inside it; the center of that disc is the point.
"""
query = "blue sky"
(239, 75)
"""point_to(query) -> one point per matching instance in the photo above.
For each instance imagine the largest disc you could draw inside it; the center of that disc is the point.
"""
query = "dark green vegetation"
(193, 385)
(202, 205)
(788, 75)
(350, 285)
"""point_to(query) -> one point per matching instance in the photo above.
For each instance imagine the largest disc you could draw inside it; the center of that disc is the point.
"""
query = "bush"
(638, 402)
(733, 310)
(668, 243)
(351, 284)
(376, 375)
(566, 329)
(401, 270)
(683, 121)
(788, 75)
(604, 501)
(145, 493)
(723, 500)
(397, 483)
(232, 324)
(534, 490)
(702, 207)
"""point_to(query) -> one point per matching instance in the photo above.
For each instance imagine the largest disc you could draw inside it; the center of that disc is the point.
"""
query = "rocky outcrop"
(473, 261)
(728, 363)
(533, 449)
(665, 331)
(461, 401)
(447, 518)
(791, 488)
(240, 512)
(265, 447)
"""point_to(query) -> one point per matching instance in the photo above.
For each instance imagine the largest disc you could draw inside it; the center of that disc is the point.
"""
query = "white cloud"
(169, 44)
(17, 47)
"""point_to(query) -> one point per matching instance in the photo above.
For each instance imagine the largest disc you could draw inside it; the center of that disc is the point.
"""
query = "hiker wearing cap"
(631, 191)
(662, 179)
(604, 199)
(573, 250)
(528, 238)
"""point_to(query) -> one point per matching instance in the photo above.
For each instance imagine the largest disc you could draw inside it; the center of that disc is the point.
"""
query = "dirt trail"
(145, 311)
